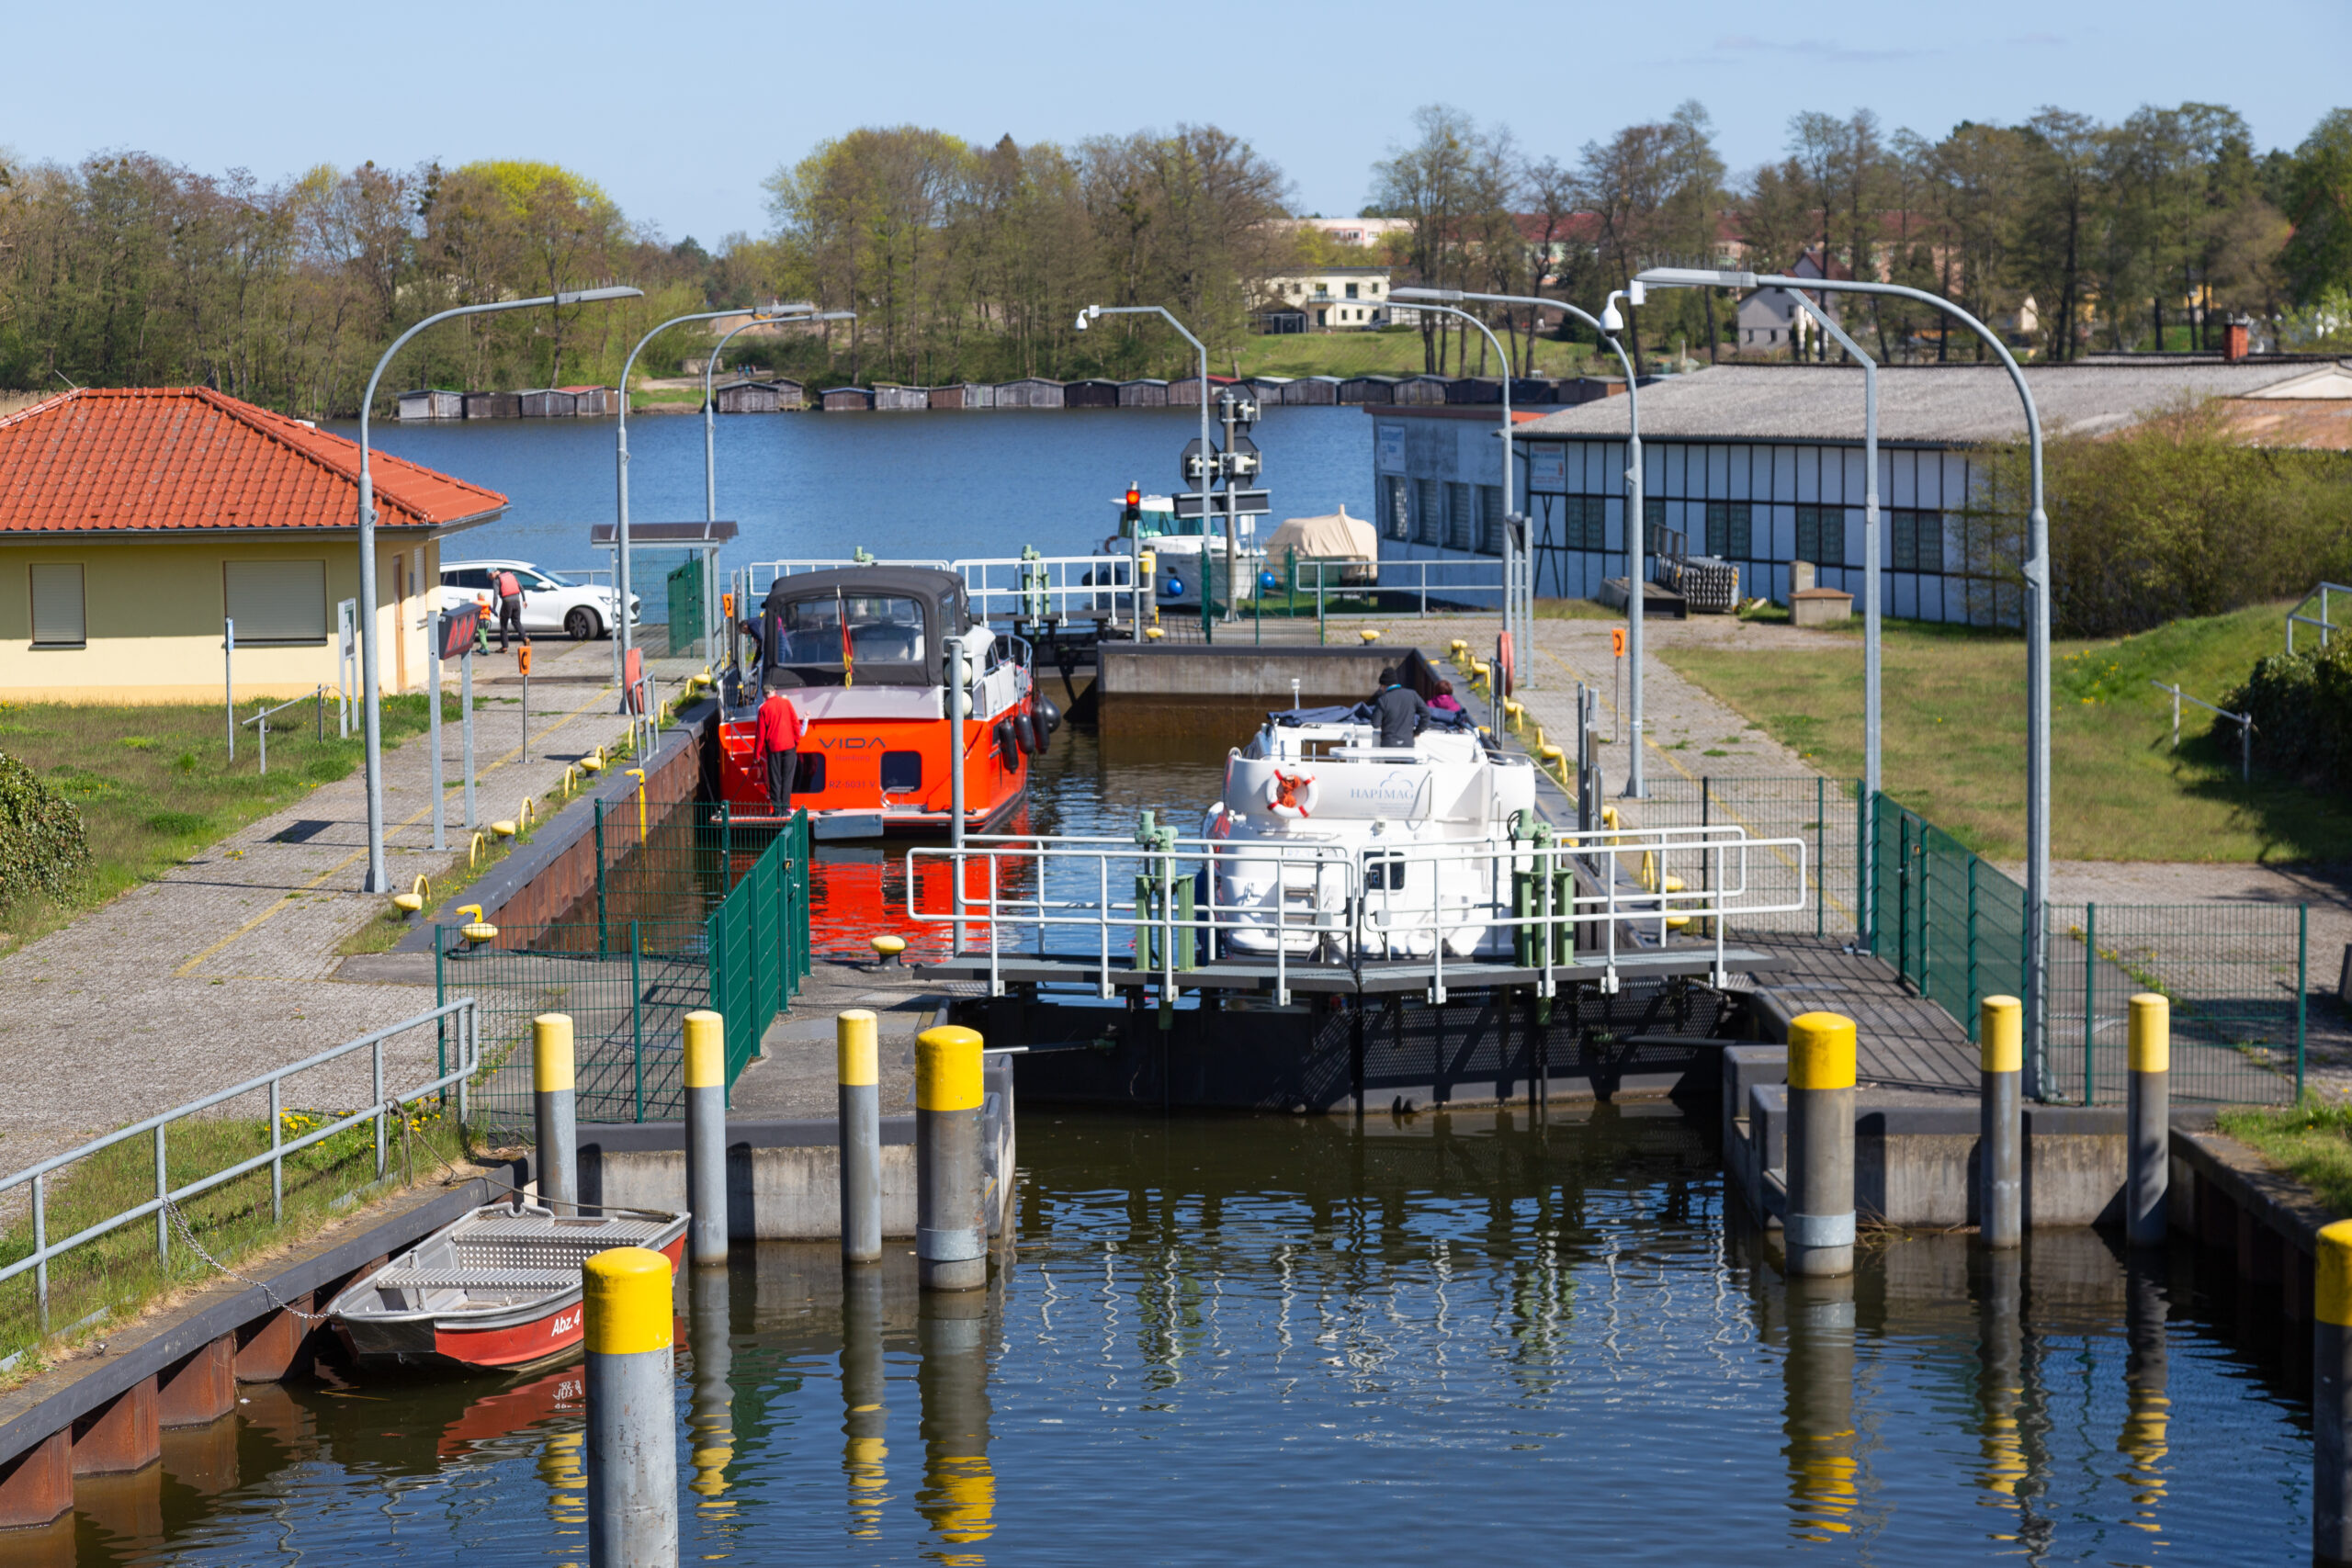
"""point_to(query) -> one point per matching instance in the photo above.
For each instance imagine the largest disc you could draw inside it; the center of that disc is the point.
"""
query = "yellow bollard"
(552, 1079)
(887, 948)
(1369, 634)
(2147, 1140)
(859, 1107)
(706, 1098)
(951, 1244)
(478, 930)
(638, 774)
(2332, 1395)
(632, 1447)
(2000, 1137)
(413, 901)
(1819, 1226)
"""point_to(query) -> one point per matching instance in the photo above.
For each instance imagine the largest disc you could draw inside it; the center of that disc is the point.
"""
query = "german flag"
(849, 665)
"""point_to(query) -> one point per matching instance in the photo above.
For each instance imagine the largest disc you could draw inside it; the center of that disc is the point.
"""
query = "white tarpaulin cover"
(1336, 537)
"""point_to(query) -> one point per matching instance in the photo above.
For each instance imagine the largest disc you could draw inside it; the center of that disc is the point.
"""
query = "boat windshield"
(883, 629)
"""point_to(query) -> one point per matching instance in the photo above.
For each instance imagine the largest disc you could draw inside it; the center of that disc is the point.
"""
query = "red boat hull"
(844, 758)
(553, 1334)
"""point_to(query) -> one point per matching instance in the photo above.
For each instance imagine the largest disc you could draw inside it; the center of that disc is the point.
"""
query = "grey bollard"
(710, 1421)
(632, 1431)
(959, 1499)
(2148, 1121)
(866, 1386)
(2332, 1395)
(1818, 1229)
(558, 1131)
(951, 1237)
(861, 1135)
(2000, 1128)
(706, 1075)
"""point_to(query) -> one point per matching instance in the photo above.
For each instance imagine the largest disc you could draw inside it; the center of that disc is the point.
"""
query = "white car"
(584, 610)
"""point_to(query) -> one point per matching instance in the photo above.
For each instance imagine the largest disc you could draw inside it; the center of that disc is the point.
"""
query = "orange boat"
(863, 653)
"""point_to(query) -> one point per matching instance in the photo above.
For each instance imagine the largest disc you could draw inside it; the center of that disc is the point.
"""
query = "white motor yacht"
(1316, 813)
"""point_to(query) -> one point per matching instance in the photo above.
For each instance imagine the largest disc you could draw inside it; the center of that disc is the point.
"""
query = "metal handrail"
(2245, 723)
(37, 1261)
(2296, 615)
(1360, 904)
(1046, 584)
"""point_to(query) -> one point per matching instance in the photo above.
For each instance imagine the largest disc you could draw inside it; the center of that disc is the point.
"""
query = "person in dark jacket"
(779, 742)
(1400, 711)
(509, 607)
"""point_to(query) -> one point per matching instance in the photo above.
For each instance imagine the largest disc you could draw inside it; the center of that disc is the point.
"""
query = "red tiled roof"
(168, 458)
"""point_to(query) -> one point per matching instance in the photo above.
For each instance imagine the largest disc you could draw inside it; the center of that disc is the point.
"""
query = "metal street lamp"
(1088, 315)
(1522, 647)
(1868, 917)
(1608, 324)
(379, 876)
(773, 313)
(2037, 627)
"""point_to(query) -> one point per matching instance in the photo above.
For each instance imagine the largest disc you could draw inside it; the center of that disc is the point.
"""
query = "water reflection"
(1220, 1339)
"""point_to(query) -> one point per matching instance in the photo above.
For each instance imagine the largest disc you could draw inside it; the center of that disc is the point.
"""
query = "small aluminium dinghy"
(499, 1288)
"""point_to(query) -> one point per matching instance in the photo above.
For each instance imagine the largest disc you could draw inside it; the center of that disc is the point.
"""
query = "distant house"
(964, 395)
(1769, 321)
(547, 403)
(1331, 298)
(134, 521)
(746, 397)
(1030, 392)
(1143, 393)
(845, 400)
(432, 402)
(1367, 390)
(1322, 391)
(493, 405)
(1186, 390)
(593, 402)
(902, 399)
(1091, 394)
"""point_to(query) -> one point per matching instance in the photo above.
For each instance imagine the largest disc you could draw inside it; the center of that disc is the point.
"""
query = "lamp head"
(584, 296)
(1693, 277)
(1087, 315)
(1611, 319)
(1412, 293)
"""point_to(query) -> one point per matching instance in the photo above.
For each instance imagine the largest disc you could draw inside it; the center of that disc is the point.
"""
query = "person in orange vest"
(779, 741)
(509, 607)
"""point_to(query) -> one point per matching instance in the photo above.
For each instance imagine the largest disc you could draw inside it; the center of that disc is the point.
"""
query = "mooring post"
(1819, 1226)
(2331, 1397)
(950, 1240)
(861, 1135)
(632, 1447)
(551, 1082)
(706, 1138)
(2000, 1134)
(2148, 1119)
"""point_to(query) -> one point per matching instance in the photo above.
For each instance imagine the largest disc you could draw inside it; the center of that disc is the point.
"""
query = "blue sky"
(680, 111)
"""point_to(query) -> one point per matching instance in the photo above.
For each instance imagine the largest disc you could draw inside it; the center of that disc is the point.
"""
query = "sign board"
(1246, 503)
(457, 628)
(1389, 446)
(1547, 469)
(1616, 642)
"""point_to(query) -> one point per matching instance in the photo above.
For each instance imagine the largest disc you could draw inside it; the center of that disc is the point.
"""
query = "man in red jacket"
(509, 607)
(780, 743)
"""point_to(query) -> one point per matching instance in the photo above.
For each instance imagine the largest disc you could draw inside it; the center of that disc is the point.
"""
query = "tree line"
(966, 259)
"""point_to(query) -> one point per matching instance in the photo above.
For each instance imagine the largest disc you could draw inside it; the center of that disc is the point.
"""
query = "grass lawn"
(1384, 354)
(154, 785)
(2312, 1142)
(115, 1277)
(1955, 741)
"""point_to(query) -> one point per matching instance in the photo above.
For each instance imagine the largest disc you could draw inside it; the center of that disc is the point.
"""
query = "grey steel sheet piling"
(1818, 1229)
(2001, 1139)
(861, 1135)
(632, 1435)
(951, 1235)
(559, 1130)
(706, 1097)
(2148, 1121)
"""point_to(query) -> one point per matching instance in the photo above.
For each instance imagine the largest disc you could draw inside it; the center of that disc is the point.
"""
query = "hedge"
(2301, 705)
(42, 848)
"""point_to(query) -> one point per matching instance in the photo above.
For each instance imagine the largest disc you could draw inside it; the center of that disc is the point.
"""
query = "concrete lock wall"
(772, 1194)
(1145, 690)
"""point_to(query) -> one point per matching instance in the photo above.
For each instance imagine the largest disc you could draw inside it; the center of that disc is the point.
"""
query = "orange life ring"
(1291, 795)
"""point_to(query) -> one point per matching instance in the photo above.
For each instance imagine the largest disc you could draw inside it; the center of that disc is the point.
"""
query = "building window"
(1491, 520)
(1653, 526)
(1584, 522)
(1375, 288)
(1459, 519)
(1730, 529)
(1918, 538)
(1352, 290)
(277, 601)
(1429, 496)
(1821, 535)
(58, 619)
(1400, 525)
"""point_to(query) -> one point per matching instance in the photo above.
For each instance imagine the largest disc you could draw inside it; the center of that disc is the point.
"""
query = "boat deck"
(1373, 978)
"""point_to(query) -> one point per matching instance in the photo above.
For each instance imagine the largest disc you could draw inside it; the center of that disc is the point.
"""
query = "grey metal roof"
(1925, 404)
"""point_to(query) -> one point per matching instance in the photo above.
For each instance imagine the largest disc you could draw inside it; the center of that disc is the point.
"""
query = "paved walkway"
(225, 965)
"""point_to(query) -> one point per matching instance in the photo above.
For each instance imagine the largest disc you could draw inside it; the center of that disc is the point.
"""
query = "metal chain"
(179, 1223)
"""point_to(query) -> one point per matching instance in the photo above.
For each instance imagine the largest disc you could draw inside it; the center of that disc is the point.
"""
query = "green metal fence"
(1819, 811)
(1954, 925)
(699, 913)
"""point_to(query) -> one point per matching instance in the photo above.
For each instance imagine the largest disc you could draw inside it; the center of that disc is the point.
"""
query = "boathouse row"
(1761, 464)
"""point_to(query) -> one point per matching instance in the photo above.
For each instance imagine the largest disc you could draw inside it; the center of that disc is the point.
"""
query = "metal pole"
(957, 703)
(2037, 586)
(706, 1075)
(2148, 1121)
(632, 1447)
(1503, 357)
(229, 679)
(1818, 1239)
(861, 1135)
(2000, 1214)
(559, 1137)
(951, 1234)
(433, 634)
(465, 725)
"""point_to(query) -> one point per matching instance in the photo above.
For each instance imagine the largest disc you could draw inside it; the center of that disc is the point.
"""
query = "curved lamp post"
(1607, 324)
(378, 878)
(1089, 314)
(1520, 646)
(2037, 626)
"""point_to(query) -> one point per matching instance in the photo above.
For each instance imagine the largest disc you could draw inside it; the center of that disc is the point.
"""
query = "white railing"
(1454, 908)
(468, 1041)
(2296, 618)
(1053, 590)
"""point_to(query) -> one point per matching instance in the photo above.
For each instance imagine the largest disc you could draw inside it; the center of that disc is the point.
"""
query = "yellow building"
(134, 523)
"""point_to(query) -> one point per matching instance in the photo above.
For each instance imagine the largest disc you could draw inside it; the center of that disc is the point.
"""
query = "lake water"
(946, 485)
(1274, 1339)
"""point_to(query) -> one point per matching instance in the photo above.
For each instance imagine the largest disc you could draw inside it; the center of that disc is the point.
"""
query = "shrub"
(42, 848)
(2301, 705)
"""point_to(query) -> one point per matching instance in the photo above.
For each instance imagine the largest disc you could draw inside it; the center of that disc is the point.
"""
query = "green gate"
(686, 608)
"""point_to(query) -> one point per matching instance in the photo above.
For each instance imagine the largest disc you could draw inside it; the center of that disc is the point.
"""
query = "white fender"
(1301, 789)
